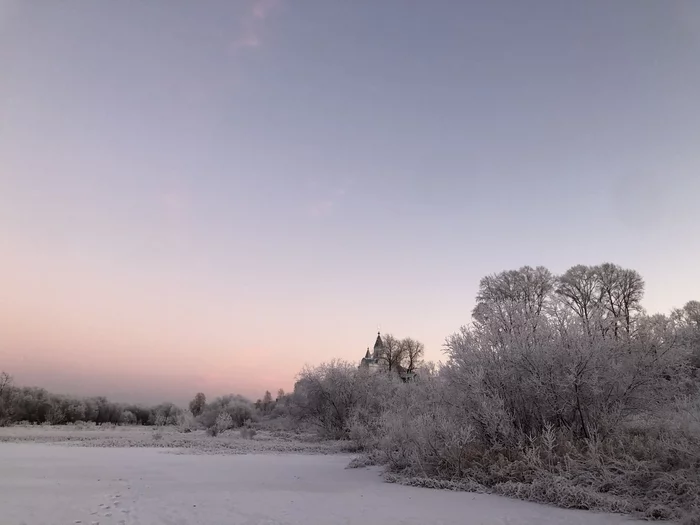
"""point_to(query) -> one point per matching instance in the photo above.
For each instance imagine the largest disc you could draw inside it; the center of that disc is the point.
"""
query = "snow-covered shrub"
(238, 408)
(248, 432)
(224, 421)
(325, 396)
(165, 414)
(127, 418)
(186, 422)
(375, 392)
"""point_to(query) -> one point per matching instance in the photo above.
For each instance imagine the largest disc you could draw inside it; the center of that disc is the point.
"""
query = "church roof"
(367, 355)
(379, 343)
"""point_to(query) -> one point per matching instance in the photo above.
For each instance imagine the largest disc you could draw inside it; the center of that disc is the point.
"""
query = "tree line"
(38, 406)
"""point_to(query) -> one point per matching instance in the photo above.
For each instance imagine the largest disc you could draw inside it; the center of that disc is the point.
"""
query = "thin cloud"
(252, 26)
(326, 205)
(321, 208)
(249, 40)
(261, 8)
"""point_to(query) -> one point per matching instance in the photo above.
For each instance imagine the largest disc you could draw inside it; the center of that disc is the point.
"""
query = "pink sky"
(77, 324)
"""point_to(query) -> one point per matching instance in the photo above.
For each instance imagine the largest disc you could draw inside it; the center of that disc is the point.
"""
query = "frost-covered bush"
(165, 414)
(186, 422)
(236, 408)
(142, 413)
(128, 418)
(325, 396)
(375, 393)
(247, 431)
(224, 421)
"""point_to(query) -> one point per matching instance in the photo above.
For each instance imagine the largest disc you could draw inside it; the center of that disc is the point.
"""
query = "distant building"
(372, 360)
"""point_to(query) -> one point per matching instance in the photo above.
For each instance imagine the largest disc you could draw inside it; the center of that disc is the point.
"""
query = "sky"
(206, 196)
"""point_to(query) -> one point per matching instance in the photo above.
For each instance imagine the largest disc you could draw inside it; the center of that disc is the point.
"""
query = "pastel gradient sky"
(208, 195)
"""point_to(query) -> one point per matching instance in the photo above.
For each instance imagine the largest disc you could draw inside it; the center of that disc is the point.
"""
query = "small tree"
(267, 402)
(197, 404)
(5, 382)
(223, 422)
(6, 391)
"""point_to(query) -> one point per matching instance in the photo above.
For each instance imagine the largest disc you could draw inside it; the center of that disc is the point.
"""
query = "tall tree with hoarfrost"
(198, 403)
(513, 301)
(392, 353)
(6, 390)
(687, 319)
(579, 290)
(412, 354)
(621, 291)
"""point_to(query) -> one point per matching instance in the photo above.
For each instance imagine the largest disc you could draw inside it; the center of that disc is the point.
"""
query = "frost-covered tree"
(266, 404)
(687, 320)
(412, 354)
(392, 354)
(197, 404)
(6, 394)
(513, 300)
(621, 292)
(546, 370)
(579, 289)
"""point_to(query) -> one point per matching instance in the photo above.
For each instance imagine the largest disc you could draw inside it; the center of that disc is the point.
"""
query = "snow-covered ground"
(196, 442)
(56, 484)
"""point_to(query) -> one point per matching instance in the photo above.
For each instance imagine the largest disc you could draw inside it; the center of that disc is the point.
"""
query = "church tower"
(378, 347)
(371, 359)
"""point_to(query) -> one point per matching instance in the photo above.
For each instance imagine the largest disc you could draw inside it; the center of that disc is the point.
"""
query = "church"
(371, 360)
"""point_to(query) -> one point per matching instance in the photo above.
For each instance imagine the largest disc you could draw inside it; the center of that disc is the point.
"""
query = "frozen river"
(43, 484)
